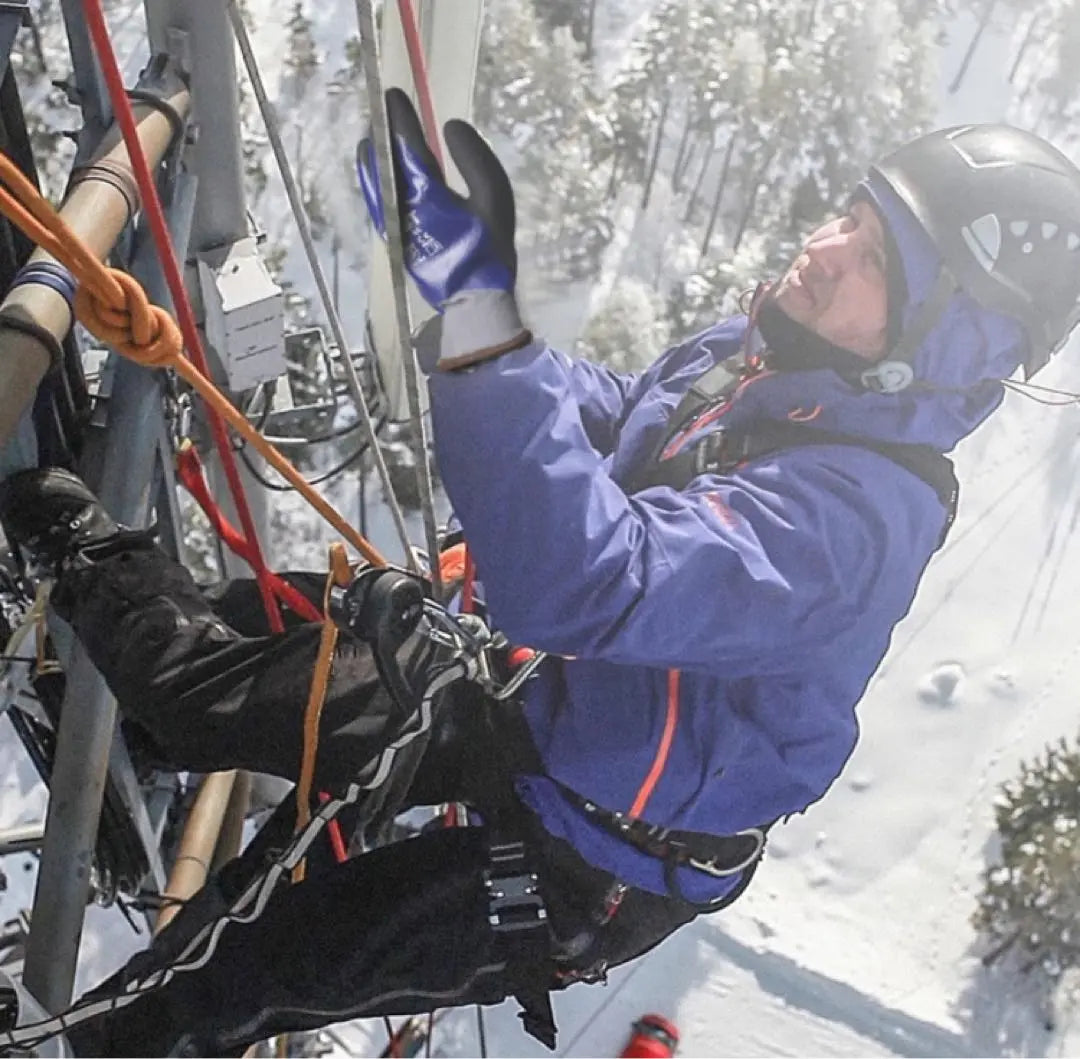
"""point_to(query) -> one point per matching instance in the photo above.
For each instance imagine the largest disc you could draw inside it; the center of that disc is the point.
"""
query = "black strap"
(713, 385)
(518, 919)
(18, 320)
(719, 856)
(927, 463)
(722, 451)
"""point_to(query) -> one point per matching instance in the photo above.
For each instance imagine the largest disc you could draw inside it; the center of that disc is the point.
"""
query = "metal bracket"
(514, 901)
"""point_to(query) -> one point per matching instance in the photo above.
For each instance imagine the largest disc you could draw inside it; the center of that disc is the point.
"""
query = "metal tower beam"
(199, 36)
(85, 734)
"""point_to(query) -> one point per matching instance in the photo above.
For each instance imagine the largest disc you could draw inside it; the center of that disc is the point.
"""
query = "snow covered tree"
(578, 15)
(717, 288)
(1031, 899)
(629, 330)
(302, 57)
(534, 95)
(668, 77)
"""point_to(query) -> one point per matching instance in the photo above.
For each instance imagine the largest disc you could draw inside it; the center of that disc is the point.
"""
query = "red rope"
(431, 130)
(155, 215)
(189, 471)
(420, 78)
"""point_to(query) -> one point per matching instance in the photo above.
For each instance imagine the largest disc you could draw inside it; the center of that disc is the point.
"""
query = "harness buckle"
(514, 901)
(720, 452)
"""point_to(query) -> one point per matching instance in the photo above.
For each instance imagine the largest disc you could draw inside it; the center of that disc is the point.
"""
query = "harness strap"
(519, 922)
(722, 452)
(720, 856)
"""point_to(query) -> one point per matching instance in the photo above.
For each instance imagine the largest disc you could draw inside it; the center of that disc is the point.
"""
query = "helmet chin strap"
(894, 372)
(794, 347)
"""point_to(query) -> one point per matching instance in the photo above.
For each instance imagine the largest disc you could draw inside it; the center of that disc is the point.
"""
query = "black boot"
(53, 516)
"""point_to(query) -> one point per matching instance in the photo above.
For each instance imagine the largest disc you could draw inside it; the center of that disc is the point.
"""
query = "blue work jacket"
(709, 644)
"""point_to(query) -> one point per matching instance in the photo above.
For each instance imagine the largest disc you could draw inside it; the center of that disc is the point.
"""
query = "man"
(713, 553)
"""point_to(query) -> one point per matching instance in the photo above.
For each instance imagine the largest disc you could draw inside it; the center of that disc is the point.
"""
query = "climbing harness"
(680, 457)
(719, 856)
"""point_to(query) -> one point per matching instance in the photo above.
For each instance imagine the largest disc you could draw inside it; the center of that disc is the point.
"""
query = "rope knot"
(115, 309)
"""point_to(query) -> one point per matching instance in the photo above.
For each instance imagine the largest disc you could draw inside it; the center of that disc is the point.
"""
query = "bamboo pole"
(201, 832)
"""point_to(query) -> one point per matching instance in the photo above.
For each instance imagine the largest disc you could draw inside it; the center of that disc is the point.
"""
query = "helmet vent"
(983, 238)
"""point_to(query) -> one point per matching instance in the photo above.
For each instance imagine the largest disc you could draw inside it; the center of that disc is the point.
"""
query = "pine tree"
(302, 58)
(628, 330)
(535, 93)
(1031, 897)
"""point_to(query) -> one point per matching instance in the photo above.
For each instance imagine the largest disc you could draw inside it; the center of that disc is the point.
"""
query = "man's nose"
(832, 255)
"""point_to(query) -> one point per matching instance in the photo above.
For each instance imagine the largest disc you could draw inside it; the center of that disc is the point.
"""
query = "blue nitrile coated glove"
(459, 251)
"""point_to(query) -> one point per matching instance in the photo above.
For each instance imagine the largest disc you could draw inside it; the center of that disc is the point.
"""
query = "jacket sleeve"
(601, 396)
(755, 567)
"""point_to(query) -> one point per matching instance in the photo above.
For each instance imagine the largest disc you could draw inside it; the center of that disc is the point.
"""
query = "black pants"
(398, 930)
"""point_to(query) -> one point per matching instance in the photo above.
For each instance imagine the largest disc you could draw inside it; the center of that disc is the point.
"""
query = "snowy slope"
(855, 938)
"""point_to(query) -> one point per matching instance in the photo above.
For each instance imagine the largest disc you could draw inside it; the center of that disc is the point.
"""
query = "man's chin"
(792, 303)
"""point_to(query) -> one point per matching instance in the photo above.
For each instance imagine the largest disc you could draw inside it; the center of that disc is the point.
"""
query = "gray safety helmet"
(1002, 207)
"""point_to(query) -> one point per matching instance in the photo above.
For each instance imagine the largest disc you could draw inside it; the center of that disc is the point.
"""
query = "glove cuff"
(479, 325)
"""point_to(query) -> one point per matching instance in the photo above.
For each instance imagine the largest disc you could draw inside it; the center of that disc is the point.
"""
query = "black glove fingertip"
(405, 123)
(491, 195)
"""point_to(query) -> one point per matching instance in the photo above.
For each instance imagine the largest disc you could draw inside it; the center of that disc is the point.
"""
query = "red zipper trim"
(663, 750)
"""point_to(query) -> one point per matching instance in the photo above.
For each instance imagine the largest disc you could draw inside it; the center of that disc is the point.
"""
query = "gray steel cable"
(380, 138)
(273, 132)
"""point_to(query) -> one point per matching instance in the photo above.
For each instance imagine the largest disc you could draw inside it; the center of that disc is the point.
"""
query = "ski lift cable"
(151, 203)
(380, 138)
(303, 226)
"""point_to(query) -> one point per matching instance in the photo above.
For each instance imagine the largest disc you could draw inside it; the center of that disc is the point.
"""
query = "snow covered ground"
(855, 938)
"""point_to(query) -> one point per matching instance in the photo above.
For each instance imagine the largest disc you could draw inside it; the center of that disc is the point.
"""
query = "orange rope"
(660, 761)
(339, 574)
(114, 308)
